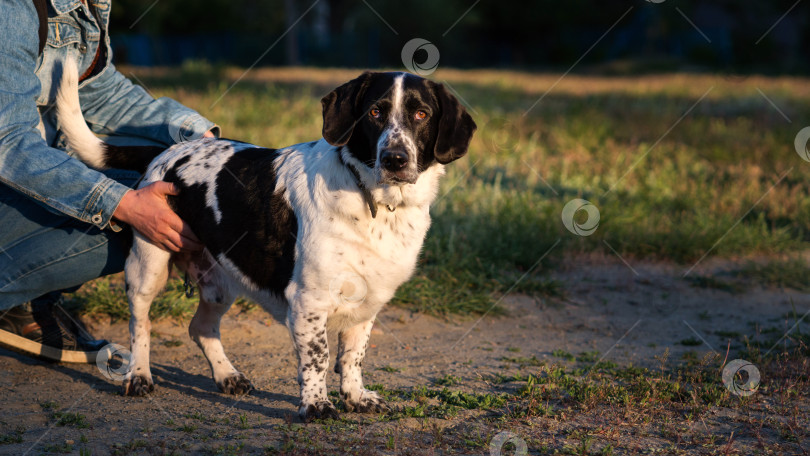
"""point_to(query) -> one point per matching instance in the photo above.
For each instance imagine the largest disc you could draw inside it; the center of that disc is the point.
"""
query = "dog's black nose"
(394, 159)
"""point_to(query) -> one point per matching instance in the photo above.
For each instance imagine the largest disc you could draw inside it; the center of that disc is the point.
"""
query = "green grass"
(524, 361)
(106, 296)
(667, 187)
(62, 448)
(15, 436)
(447, 380)
(70, 419)
(690, 390)
(786, 273)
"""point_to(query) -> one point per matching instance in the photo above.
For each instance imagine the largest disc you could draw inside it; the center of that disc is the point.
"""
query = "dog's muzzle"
(397, 166)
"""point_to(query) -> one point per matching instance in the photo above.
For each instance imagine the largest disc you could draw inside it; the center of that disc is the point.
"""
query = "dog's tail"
(90, 149)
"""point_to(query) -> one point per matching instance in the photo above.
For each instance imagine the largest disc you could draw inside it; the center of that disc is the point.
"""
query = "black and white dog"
(321, 234)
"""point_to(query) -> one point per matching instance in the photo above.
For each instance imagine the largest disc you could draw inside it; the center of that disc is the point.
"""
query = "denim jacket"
(111, 104)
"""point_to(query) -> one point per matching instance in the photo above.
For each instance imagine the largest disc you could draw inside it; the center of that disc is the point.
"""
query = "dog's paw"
(320, 410)
(369, 402)
(138, 385)
(235, 384)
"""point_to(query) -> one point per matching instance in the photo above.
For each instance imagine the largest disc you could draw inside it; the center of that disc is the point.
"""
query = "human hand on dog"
(147, 210)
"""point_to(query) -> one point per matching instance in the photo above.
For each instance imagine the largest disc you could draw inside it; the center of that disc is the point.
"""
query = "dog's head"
(397, 124)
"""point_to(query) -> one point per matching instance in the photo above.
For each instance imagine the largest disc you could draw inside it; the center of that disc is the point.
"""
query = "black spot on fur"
(316, 348)
(257, 229)
(182, 161)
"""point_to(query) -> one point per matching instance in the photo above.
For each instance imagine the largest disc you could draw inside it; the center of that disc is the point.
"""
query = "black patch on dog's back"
(257, 229)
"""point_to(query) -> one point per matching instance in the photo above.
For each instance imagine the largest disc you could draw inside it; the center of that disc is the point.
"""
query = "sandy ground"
(627, 315)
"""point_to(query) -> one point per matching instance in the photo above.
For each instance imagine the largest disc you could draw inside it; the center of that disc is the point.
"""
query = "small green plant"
(523, 361)
(196, 416)
(49, 405)
(559, 353)
(447, 380)
(58, 448)
(588, 357)
(70, 419)
(188, 428)
(691, 342)
(15, 436)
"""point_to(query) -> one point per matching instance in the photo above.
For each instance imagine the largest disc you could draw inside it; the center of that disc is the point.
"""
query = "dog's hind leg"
(204, 330)
(147, 269)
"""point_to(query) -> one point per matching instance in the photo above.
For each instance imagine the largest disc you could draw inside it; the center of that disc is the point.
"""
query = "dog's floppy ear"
(340, 110)
(456, 127)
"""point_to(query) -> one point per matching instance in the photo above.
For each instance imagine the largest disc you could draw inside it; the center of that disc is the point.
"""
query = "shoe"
(45, 323)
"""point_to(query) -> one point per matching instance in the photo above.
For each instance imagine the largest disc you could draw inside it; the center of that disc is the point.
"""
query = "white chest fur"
(348, 261)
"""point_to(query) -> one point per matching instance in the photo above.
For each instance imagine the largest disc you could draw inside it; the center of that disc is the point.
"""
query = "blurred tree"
(291, 39)
(522, 33)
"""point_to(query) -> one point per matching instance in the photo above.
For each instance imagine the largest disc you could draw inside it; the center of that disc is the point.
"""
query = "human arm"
(50, 176)
(27, 164)
(113, 105)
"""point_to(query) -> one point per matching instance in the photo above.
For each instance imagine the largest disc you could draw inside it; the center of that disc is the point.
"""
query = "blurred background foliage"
(527, 34)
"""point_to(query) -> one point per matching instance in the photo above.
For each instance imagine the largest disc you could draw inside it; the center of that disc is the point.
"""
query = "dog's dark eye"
(375, 113)
(420, 115)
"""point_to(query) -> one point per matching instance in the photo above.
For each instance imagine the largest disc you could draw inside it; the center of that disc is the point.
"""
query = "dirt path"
(610, 312)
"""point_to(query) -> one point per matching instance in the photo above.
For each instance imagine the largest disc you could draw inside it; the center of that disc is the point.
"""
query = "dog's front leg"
(353, 344)
(308, 330)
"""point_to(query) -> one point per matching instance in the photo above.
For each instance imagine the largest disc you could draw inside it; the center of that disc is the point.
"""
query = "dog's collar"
(372, 205)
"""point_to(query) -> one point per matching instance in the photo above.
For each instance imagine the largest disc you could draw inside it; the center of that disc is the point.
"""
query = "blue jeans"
(43, 251)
